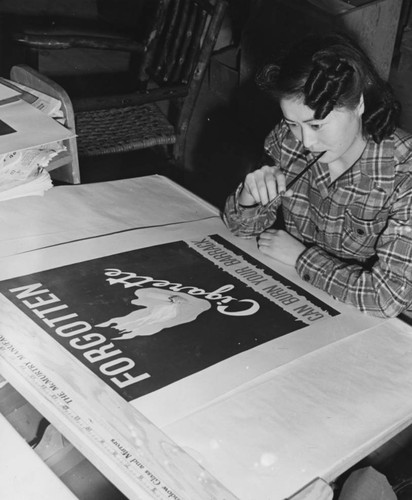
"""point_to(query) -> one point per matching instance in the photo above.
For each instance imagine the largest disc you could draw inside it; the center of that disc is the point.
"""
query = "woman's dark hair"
(332, 71)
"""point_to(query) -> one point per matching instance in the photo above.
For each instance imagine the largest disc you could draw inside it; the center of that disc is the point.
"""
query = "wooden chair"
(173, 63)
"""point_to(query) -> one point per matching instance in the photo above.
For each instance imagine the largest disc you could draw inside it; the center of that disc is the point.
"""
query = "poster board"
(83, 305)
(148, 318)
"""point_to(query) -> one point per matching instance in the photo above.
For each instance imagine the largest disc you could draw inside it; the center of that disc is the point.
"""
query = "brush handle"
(292, 182)
(276, 199)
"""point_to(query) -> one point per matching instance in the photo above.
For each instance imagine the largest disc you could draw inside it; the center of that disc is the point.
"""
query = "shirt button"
(360, 232)
(306, 277)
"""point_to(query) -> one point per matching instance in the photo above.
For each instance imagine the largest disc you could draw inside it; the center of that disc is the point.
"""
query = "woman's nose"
(309, 137)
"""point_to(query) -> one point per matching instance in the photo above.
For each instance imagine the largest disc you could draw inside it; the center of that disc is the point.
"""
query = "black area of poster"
(5, 129)
(146, 318)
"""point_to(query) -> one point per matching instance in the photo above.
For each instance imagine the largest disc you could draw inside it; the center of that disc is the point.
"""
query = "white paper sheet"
(32, 127)
(314, 417)
(68, 213)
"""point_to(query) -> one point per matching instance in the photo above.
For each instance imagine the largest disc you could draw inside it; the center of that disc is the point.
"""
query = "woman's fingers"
(266, 238)
(265, 184)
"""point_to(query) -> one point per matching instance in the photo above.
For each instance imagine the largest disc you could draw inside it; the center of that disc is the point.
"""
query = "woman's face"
(339, 134)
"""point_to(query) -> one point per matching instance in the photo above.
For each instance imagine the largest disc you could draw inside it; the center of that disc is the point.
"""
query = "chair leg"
(32, 58)
(179, 151)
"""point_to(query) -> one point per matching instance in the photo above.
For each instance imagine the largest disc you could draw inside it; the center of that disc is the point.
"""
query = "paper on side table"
(29, 127)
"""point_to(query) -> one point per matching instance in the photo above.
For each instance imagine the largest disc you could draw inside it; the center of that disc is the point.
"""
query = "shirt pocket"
(359, 236)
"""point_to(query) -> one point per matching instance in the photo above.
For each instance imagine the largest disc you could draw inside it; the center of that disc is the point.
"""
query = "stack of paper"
(23, 173)
(35, 186)
(30, 136)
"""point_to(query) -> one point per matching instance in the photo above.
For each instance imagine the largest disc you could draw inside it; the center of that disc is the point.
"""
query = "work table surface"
(260, 425)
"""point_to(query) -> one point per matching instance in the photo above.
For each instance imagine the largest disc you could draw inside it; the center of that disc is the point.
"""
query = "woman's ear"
(360, 108)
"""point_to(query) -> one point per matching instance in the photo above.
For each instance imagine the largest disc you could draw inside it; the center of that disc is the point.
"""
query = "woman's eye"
(316, 126)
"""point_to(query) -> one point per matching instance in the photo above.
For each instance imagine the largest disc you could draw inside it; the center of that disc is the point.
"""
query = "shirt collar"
(374, 169)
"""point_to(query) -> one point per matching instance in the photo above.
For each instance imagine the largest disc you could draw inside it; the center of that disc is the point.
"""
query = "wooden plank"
(58, 161)
(376, 26)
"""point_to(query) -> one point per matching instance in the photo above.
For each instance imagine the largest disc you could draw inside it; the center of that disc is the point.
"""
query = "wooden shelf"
(60, 160)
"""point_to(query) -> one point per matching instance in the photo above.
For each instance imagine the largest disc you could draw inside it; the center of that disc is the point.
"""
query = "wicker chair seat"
(122, 129)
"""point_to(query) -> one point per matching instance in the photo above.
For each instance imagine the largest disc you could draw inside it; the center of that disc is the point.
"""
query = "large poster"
(146, 318)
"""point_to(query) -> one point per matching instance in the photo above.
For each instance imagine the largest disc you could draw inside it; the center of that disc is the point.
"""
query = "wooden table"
(286, 416)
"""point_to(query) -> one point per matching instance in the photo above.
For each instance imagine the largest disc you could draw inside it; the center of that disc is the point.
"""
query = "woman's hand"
(262, 185)
(281, 246)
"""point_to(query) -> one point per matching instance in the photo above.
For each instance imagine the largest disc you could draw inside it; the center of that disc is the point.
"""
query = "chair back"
(181, 40)
(177, 55)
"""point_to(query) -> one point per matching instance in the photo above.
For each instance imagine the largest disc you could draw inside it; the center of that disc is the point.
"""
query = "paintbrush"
(277, 198)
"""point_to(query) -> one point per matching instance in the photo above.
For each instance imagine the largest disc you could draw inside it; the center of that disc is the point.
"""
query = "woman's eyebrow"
(304, 121)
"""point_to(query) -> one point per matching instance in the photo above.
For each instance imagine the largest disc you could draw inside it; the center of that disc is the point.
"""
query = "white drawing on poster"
(162, 309)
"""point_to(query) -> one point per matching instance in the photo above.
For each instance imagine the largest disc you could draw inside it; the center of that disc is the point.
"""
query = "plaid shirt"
(357, 229)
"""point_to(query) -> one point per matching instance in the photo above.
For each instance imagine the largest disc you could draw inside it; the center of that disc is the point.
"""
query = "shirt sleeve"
(246, 222)
(383, 289)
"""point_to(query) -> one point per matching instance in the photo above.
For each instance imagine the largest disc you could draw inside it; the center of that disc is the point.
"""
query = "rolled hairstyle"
(330, 72)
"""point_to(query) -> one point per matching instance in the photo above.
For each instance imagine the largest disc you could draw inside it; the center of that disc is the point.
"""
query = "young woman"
(348, 218)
